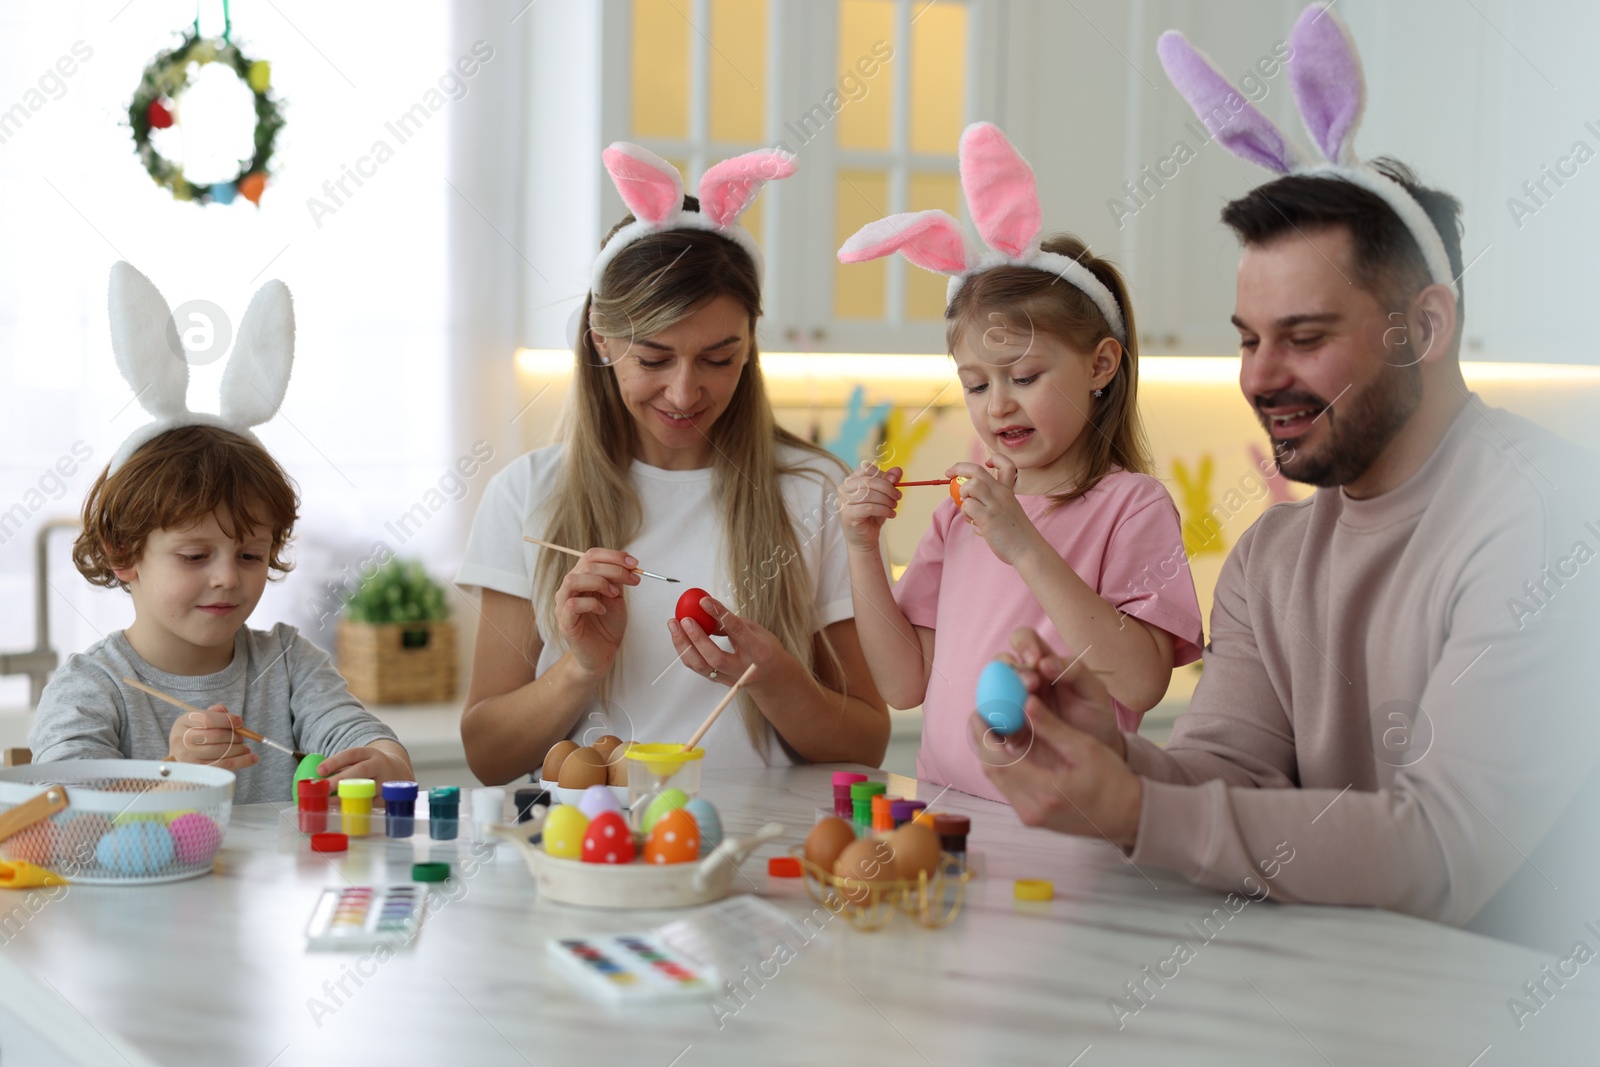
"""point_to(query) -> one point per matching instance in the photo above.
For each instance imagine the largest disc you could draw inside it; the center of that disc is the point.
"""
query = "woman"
(669, 459)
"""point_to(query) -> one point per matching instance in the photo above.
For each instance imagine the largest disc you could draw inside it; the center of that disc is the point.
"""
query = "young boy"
(192, 526)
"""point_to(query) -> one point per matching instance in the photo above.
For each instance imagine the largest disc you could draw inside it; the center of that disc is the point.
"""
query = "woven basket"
(398, 663)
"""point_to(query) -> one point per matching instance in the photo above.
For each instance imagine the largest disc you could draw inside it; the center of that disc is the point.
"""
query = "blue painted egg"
(1000, 698)
(710, 823)
(137, 848)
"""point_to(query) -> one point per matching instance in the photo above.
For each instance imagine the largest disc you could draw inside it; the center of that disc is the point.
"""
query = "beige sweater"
(1400, 688)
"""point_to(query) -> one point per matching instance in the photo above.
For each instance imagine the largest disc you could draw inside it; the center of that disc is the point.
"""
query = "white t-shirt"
(653, 696)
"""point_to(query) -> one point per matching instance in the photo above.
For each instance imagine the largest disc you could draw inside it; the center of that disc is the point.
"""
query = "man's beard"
(1357, 433)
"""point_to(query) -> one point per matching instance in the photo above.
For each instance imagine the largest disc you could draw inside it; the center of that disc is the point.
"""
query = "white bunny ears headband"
(653, 190)
(1003, 201)
(1330, 91)
(253, 383)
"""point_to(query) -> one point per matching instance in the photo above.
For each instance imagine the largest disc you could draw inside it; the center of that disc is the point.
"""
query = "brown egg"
(826, 840)
(869, 859)
(555, 758)
(607, 747)
(916, 848)
(617, 773)
(581, 769)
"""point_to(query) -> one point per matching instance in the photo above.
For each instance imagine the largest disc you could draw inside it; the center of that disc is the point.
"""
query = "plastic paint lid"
(430, 872)
(313, 788)
(329, 842)
(527, 799)
(1033, 889)
(846, 778)
(358, 788)
(783, 867)
(952, 825)
(399, 790)
(446, 795)
(864, 790)
(902, 810)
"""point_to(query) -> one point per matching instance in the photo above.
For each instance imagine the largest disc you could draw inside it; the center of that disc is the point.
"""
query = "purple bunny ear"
(1232, 119)
(1325, 74)
(930, 239)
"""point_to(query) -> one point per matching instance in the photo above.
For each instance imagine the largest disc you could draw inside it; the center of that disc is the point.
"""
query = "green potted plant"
(395, 643)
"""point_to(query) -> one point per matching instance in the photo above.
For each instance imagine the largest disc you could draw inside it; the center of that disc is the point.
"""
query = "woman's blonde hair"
(1051, 306)
(651, 285)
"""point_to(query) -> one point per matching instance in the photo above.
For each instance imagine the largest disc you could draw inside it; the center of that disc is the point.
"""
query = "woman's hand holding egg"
(590, 610)
(867, 499)
(752, 643)
(989, 503)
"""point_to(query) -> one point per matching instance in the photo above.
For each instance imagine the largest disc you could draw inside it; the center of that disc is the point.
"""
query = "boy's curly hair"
(174, 481)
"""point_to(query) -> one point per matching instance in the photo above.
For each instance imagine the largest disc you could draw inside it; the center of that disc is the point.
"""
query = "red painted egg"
(675, 839)
(608, 840)
(689, 608)
(157, 114)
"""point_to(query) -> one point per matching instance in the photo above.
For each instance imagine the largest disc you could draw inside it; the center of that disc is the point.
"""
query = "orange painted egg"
(955, 490)
(674, 839)
(608, 840)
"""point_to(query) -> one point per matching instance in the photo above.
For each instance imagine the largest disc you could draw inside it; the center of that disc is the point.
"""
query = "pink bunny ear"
(730, 186)
(650, 186)
(1232, 119)
(930, 239)
(1325, 74)
(1001, 194)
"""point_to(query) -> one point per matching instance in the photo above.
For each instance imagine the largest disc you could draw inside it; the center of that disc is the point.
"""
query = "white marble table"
(214, 970)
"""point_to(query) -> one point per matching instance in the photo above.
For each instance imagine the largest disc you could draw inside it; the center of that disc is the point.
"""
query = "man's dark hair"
(1388, 261)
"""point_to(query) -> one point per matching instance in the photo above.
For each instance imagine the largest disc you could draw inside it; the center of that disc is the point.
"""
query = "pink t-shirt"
(1122, 538)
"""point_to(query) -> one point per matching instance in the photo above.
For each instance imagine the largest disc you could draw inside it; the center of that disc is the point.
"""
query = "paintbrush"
(575, 552)
(733, 691)
(242, 731)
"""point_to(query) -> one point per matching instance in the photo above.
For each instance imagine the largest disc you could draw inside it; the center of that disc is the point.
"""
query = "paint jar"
(444, 812)
(355, 805)
(861, 794)
(311, 799)
(903, 811)
(842, 781)
(952, 831)
(487, 803)
(399, 809)
(528, 799)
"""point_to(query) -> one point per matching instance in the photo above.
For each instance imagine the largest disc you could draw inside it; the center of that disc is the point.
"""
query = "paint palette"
(363, 916)
(634, 968)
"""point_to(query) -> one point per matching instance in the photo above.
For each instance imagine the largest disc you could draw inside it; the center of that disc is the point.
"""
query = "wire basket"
(930, 900)
(125, 822)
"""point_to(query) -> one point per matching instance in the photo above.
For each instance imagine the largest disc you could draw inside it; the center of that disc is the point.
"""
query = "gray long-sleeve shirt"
(282, 685)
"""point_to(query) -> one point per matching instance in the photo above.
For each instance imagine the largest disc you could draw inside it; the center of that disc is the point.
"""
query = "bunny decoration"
(1331, 93)
(653, 190)
(142, 339)
(1003, 200)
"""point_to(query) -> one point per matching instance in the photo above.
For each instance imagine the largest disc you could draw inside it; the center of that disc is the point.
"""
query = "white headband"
(143, 342)
(653, 190)
(1330, 92)
(1003, 200)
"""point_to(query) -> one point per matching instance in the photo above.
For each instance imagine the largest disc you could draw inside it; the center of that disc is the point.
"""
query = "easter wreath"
(155, 104)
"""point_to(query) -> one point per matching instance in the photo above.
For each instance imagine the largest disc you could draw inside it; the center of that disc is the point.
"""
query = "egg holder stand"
(637, 884)
(105, 797)
(931, 901)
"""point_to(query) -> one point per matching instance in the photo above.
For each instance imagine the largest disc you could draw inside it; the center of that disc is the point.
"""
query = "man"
(1394, 681)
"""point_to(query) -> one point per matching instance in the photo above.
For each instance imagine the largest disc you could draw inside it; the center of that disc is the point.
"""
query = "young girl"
(1058, 530)
(669, 458)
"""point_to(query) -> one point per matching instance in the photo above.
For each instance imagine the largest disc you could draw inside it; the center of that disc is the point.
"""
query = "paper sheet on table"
(736, 931)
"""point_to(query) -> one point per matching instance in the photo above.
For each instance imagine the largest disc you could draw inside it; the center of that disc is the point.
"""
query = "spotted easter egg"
(138, 848)
(710, 823)
(675, 839)
(598, 799)
(564, 828)
(669, 799)
(195, 837)
(608, 840)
